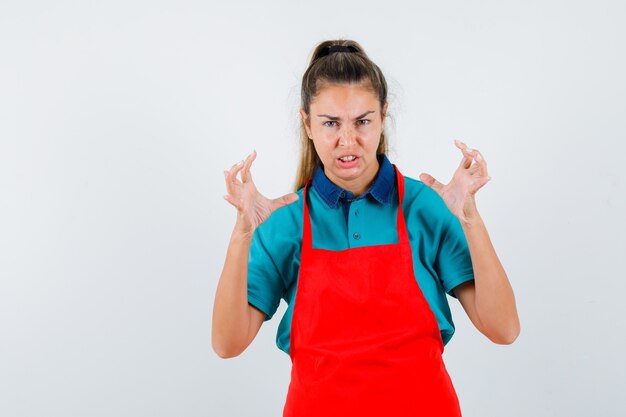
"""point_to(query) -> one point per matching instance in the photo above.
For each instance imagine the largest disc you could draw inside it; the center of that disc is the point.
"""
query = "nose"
(347, 137)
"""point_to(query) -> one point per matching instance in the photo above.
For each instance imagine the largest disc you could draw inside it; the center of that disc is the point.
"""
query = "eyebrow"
(339, 118)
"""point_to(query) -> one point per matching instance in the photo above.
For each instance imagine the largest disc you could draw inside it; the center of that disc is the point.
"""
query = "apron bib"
(364, 341)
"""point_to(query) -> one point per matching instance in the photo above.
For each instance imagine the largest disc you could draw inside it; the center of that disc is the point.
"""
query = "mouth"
(347, 161)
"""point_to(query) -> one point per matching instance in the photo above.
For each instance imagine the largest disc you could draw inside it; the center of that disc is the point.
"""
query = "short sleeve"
(453, 262)
(265, 284)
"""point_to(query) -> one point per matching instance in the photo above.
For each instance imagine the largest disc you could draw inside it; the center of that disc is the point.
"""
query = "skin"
(488, 300)
(235, 322)
(346, 119)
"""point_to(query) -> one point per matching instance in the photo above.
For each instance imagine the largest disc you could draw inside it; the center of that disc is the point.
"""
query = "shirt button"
(356, 236)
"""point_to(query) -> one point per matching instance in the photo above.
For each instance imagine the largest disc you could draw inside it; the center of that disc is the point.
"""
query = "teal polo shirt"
(441, 257)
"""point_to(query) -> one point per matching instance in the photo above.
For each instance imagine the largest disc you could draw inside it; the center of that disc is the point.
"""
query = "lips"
(347, 158)
(347, 161)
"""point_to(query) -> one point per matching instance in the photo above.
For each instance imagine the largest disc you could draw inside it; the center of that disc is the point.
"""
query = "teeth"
(348, 158)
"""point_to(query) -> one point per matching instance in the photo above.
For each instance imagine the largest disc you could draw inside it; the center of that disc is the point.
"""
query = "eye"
(330, 121)
(364, 120)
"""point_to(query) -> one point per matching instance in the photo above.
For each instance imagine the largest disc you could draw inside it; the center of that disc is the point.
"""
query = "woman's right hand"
(252, 207)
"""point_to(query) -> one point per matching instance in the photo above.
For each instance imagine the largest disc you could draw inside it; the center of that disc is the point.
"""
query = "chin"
(348, 175)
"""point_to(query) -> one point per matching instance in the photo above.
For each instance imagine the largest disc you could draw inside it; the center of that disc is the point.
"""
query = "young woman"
(364, 257)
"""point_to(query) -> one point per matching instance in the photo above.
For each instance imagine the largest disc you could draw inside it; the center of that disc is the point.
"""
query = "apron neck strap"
(400, 223)
(307, 239)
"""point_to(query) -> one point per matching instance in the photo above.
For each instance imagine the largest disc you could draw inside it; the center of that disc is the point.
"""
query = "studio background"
(118, 118)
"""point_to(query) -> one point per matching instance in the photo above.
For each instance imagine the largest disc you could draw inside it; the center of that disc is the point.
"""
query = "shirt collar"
(380, 190)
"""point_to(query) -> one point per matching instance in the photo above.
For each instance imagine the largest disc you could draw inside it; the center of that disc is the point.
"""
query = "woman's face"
(345, 125)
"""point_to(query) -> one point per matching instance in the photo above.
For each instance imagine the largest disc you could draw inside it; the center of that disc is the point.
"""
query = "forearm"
(494, 298)
(231, 312)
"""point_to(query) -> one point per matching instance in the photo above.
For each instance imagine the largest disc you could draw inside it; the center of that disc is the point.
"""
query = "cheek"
(322, 147)
(370, 132)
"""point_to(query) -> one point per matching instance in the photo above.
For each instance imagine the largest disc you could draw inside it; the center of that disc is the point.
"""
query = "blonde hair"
(335, 68)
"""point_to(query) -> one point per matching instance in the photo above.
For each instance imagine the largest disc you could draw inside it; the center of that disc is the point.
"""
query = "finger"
(238, 167)
(230, 200)
(228, 177)
(462, 146)
(284, 200)
(234, 170)
(231, 177)
(483, 181)
(228, 182)
(430, 181)
(466, 162)
(246, 167)
(482, 164)
(472, 154)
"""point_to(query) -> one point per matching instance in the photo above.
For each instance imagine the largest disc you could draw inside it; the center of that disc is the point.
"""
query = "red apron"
(364, 341)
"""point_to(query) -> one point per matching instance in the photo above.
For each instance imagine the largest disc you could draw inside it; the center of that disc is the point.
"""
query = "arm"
(235, 322)
(488, 300)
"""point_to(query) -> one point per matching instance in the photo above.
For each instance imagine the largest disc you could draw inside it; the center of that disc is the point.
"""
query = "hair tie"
(341, 48)
(335, 48)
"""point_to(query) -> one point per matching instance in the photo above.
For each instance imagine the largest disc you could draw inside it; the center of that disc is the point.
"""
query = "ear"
(306, 122)
(385, 111)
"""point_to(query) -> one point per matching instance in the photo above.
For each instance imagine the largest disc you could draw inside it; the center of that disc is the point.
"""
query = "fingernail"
(479, 158)
(469, 149)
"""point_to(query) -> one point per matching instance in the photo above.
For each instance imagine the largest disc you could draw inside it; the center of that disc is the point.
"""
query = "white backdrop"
(118, 118)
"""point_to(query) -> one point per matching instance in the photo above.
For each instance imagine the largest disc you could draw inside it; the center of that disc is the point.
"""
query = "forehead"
(345, 97)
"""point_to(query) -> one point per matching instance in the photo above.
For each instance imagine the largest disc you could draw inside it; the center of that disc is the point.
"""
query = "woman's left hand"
(459, 193)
